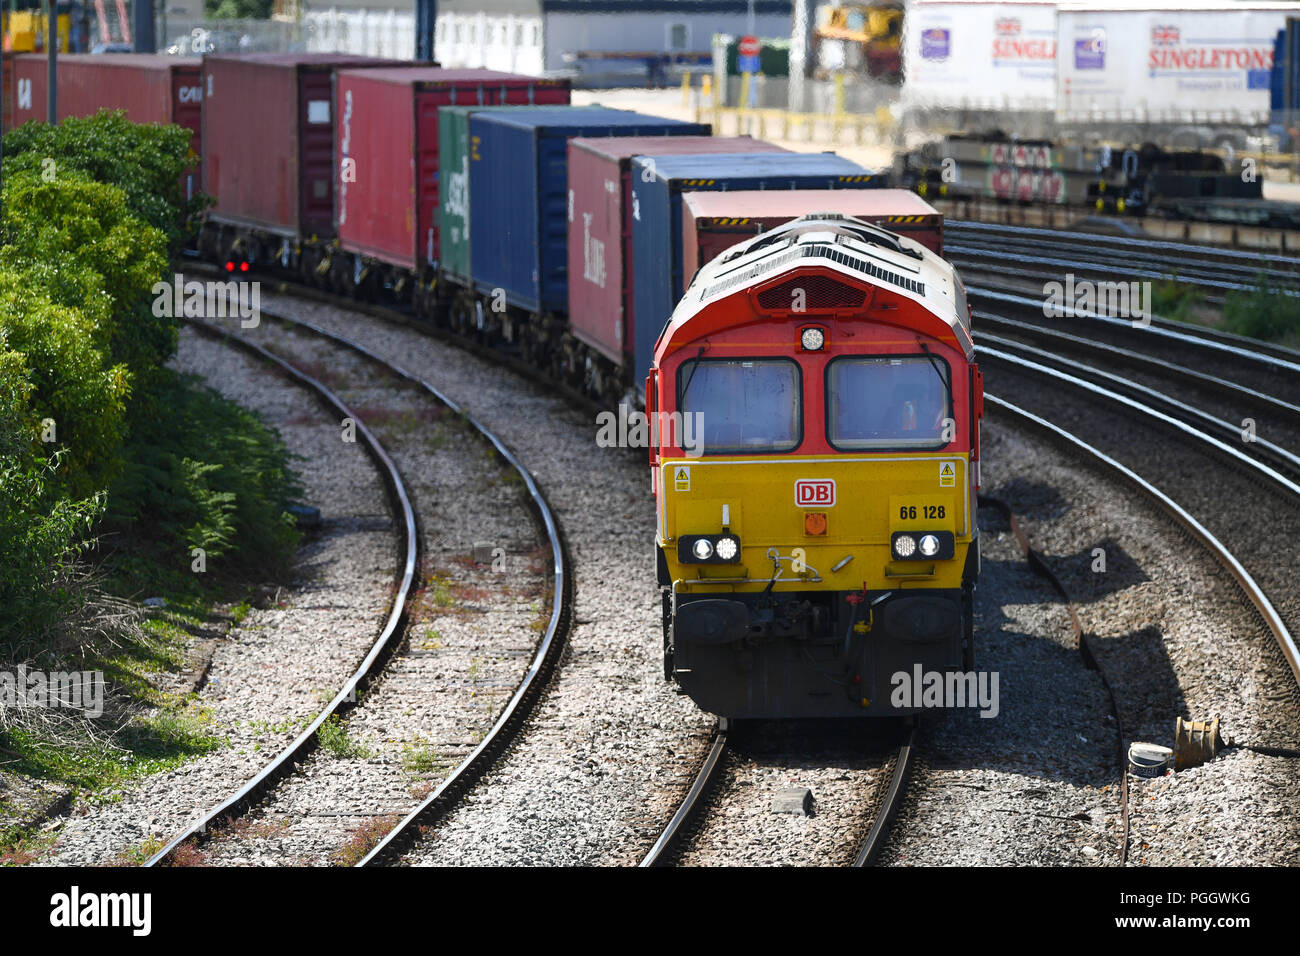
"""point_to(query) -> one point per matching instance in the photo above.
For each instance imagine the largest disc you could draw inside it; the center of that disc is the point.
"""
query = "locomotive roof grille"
(820, 250)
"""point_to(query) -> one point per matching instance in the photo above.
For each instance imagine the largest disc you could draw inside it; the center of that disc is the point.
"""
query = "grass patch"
(20, 846)
(1171, 299)
(335, 740)
(138, 855)
(1263, 313)
(421, 758)
(81, 758)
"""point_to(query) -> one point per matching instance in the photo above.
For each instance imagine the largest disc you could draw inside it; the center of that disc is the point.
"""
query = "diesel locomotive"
(815, 465)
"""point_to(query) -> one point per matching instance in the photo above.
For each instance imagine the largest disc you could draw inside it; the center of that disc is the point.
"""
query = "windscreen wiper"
(937, 371)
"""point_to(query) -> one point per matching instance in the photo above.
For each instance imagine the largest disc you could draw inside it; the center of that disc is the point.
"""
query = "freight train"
(820, 535)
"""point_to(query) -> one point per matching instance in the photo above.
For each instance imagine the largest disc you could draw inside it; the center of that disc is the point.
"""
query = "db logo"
(814, 492)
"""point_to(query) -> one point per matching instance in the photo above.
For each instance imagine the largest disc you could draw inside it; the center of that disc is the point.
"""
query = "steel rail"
(874, 841)
(998, 258)
(283, 763)
(670, 840)
(1254, 592)
(1276, 454)
(1187, 523)
(1189, 269)
(1086, 238)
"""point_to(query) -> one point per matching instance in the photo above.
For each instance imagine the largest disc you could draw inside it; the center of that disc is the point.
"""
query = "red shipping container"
(268, 130)
(149, 87)
(387, 126)
(600, 234)
(714, 221)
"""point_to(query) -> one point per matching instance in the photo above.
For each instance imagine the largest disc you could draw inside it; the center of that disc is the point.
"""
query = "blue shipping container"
(657, 186)
(518, 184)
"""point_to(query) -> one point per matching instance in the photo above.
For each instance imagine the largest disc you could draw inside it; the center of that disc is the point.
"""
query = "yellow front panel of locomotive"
(855, 504)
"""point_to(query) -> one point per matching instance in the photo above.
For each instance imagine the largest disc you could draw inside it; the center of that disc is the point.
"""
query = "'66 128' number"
(929, 512)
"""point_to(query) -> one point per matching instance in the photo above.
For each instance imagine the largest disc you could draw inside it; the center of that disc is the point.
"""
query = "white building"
(548, 36)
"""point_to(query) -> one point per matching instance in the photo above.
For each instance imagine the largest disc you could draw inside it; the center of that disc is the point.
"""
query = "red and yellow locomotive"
(816, 409)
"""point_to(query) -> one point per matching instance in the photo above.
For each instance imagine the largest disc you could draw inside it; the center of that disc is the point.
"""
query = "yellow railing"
(830, 128)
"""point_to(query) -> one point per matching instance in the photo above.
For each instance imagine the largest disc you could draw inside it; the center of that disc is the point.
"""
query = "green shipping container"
(455, 152)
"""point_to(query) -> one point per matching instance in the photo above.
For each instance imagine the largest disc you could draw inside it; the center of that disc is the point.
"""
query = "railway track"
(1047, 251)
(883, 797)
(544, 658)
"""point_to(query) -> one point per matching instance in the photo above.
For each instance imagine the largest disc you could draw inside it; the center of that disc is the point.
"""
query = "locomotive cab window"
(745, 405)
(887, 401)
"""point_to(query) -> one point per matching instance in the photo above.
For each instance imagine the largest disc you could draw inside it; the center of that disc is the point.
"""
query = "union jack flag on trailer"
(1164, 36)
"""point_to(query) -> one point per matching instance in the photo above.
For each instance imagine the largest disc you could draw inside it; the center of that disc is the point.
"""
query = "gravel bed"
(1038, 783)
(1175, 638)
(273, 671)
(1172, 638)
(472, 634)
(611, 749)
(844, 765)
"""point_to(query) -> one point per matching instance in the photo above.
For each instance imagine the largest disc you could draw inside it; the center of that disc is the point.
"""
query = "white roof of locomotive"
(883, 259)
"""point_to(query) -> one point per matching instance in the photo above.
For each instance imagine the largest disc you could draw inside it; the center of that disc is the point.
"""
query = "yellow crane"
(26, 22)
(868, 33)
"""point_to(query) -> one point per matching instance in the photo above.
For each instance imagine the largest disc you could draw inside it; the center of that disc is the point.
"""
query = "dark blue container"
(518, 184)
(657, 186)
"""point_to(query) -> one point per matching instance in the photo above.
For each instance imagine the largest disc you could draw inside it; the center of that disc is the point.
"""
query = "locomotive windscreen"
(887, 402)
(746, 406)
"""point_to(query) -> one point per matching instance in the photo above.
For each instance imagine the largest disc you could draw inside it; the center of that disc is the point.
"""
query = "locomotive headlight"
(702, 549)
(929, 545)
(904, 546)
(812, 340)
(727, 548)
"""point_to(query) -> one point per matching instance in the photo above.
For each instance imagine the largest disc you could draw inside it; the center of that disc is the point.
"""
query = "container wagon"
(601, 304)
(518, 236)
(268, 127)
(387, 142)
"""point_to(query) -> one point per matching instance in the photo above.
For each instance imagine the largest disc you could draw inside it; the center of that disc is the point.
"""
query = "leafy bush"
(89, 209)
(41, 531)
(1262, 313)
(147, 162)
(78, 241)
(200, 472)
